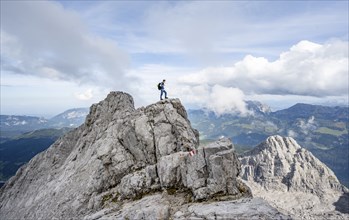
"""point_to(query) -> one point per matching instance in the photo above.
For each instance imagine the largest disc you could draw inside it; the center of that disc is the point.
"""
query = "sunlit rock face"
(292, 179)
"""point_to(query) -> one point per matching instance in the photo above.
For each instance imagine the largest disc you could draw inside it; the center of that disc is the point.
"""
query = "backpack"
(159, 86)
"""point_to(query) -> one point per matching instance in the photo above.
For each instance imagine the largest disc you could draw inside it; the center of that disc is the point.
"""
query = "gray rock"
(169, 170)
(254, 208)
(118, 155)
(138, 183)
(291, 178)
(163, 206)
(213, 171)
(153, 207)
(281, 164)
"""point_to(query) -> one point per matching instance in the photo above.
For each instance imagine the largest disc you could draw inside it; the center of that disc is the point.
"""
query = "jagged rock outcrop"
(120, 155)
(293, 180)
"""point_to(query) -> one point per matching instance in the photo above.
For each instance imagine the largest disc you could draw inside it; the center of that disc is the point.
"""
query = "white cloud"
(87, 95)
(226, 100)
(44, 39)
(219, 99)
(80, 44)
(307, 69)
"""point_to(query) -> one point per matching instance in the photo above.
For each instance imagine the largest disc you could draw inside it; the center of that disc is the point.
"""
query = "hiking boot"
(166, 97)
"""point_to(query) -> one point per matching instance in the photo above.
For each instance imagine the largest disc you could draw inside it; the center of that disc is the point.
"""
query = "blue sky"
(57, 55)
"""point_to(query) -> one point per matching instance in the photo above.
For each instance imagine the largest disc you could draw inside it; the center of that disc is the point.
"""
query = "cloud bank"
(306, 69)
(87, 95)
(42, 38)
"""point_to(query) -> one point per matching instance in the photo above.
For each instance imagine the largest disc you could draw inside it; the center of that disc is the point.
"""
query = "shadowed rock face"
(292, 179)
(121, 154)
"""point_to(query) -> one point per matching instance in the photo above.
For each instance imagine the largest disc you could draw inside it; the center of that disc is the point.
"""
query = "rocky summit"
(291, 179)
(127, 163)
(147, 163)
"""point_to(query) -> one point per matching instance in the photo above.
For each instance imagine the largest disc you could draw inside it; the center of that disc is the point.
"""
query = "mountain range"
(321, 129)
(14, 125)
(148, 163)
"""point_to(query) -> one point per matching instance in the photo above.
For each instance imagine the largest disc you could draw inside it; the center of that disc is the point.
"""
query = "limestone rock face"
(164, 206)
(118, 156)
(292, 179)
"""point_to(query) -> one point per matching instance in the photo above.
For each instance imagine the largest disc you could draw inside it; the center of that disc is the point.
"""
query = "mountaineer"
(161, 86)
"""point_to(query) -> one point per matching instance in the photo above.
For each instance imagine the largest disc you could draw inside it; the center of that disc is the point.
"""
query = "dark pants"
(162, 92)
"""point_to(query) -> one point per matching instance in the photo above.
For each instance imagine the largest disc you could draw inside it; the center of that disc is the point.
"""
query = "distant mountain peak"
(280, 166)
(73, 113)
(302, 110)
(19, 124)
(276, 145)
(289, 161)
(69, 118)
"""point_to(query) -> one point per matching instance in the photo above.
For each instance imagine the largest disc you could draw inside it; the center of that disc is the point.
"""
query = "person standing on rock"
(161, 87)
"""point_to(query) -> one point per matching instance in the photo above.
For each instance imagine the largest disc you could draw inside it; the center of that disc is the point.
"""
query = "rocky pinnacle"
(119, 156)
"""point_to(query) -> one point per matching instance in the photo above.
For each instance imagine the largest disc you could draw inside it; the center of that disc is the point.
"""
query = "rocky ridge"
(127, 163)
(291, 179)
